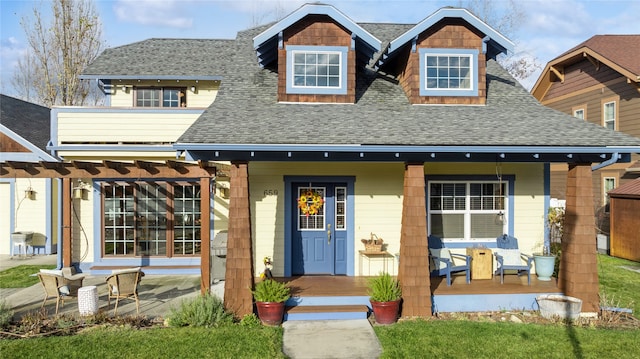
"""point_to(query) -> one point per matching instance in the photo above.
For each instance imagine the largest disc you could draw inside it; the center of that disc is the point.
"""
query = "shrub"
(202, 311)
(5, 314)
(251, 321)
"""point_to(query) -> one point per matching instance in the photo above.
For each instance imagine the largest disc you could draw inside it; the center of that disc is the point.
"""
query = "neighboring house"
(322, 131)
(597, 81)
(26, 205)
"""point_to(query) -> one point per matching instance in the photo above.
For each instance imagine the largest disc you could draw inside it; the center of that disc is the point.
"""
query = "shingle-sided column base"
(239, 272)
(578, 275)
(413, 272)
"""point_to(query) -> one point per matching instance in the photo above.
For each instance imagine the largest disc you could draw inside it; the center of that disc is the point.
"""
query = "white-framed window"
(316, 69)
(608, 184)
(160, 97)
(579, 113)
(341, 208)
(609, 115)
(468, 210)
(448, 72)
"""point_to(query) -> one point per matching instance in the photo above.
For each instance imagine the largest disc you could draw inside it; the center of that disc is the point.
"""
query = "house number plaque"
(270, 192)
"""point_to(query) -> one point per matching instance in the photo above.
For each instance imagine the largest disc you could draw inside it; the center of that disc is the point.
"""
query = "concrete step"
(326, 312)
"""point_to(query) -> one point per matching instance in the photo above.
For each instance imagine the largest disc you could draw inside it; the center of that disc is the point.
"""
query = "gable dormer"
(316, 51)
(442, 60)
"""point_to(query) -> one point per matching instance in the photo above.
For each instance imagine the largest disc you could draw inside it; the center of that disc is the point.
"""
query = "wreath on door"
(310, 202)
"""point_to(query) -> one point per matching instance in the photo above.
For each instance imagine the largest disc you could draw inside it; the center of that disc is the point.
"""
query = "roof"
(382, 115)
(267, 41)
(164, 58)
(622, 50)
(619, 52)
(629, 189)
(26, 119)
(497, 42)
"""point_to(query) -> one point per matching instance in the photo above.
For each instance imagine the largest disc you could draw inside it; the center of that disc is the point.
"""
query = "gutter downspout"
(614, 158)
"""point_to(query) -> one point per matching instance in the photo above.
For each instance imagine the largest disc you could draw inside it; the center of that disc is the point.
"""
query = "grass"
(21, 276)
(407, 339)
(620, 285)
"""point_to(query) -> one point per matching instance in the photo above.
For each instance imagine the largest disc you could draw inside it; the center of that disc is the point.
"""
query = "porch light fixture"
(30, 193)
(193, 89)
(80, 191)
(124, 88)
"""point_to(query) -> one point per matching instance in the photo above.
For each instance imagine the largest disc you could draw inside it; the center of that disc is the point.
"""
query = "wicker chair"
(59, 287)
(123, 284)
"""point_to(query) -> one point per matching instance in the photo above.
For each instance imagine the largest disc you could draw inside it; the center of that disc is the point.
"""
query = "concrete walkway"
(160, 293)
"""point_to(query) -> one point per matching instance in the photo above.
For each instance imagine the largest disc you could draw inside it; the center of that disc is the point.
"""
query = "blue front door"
(319, 230)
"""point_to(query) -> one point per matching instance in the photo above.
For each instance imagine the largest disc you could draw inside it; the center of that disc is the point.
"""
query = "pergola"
(203, 171)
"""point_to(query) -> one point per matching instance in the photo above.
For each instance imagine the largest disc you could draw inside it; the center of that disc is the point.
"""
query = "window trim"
(181, 102)
(472, 53)
(509, 211)
(582, 108)
(170, 229)
(616, 114)
(302, 90)
(605, 197)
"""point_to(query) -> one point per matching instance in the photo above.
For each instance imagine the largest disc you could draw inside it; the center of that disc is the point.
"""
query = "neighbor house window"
(609, 115)
(468, 210)
(151, 219)
(161, 97)
(316, 70)
(608, 183)
(448, 72)
(579, 114)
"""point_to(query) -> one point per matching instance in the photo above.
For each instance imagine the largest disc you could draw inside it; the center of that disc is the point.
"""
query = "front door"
(319, 230)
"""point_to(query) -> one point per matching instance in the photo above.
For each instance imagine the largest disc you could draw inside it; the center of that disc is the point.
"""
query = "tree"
(58, 53)
(505, 18)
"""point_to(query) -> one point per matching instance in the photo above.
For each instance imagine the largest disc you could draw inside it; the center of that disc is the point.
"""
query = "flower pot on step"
(386, 312)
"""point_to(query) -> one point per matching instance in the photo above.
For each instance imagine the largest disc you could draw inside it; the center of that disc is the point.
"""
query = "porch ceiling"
(357, 153)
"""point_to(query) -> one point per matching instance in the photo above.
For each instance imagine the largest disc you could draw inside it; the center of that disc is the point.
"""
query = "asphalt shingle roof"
(246, 111)
(27, 119)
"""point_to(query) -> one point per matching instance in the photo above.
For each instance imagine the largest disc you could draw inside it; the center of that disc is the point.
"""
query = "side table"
(88, 300)
(481, 263)
(384, 255)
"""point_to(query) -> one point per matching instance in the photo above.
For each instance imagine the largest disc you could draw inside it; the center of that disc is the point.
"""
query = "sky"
(549, 28)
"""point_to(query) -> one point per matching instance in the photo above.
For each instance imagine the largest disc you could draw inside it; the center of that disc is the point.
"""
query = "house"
(625, 206)
(301, 137)
(26, 205)
(597, 81)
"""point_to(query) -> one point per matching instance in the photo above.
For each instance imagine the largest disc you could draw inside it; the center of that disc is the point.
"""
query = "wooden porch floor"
(310, 286)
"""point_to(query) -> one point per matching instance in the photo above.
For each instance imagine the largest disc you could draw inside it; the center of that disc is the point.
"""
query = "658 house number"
(270, 192)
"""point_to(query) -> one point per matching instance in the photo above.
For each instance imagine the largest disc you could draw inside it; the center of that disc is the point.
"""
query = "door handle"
(329, 234)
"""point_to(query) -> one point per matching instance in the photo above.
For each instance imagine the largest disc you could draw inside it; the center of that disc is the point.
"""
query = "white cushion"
(64, 290)
(510, 257)
(52, 271)
(440, 253)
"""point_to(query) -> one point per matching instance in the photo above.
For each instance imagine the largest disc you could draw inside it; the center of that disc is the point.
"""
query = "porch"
(342, 297)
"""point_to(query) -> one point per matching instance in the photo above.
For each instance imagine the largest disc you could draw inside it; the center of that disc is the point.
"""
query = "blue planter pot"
(544, 266)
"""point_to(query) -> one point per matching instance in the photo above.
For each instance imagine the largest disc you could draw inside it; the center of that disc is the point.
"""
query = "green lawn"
(21, 276)
(407, 339)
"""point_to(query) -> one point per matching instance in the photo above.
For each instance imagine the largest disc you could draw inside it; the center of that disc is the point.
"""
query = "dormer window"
(448, 72)
(317, 70)
(160, 97)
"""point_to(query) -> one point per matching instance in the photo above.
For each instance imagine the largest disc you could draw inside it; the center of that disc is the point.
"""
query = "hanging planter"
(310, 202)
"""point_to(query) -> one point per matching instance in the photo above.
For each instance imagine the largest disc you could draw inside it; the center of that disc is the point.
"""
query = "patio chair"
(442, 262)
(508, 257)
(123, 284)
(57, 286)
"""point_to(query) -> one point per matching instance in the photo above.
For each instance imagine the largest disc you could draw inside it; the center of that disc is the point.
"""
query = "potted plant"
(385, 294)
(270, 297)
(545, 262)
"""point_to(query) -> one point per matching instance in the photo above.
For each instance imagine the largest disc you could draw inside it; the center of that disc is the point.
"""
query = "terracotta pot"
(270, 313)
(386, 312)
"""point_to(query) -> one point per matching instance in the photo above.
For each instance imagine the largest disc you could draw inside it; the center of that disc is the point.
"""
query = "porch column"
(205, 235)
(413, 272)
(239, 272)
(66, 223)
(578, 275)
